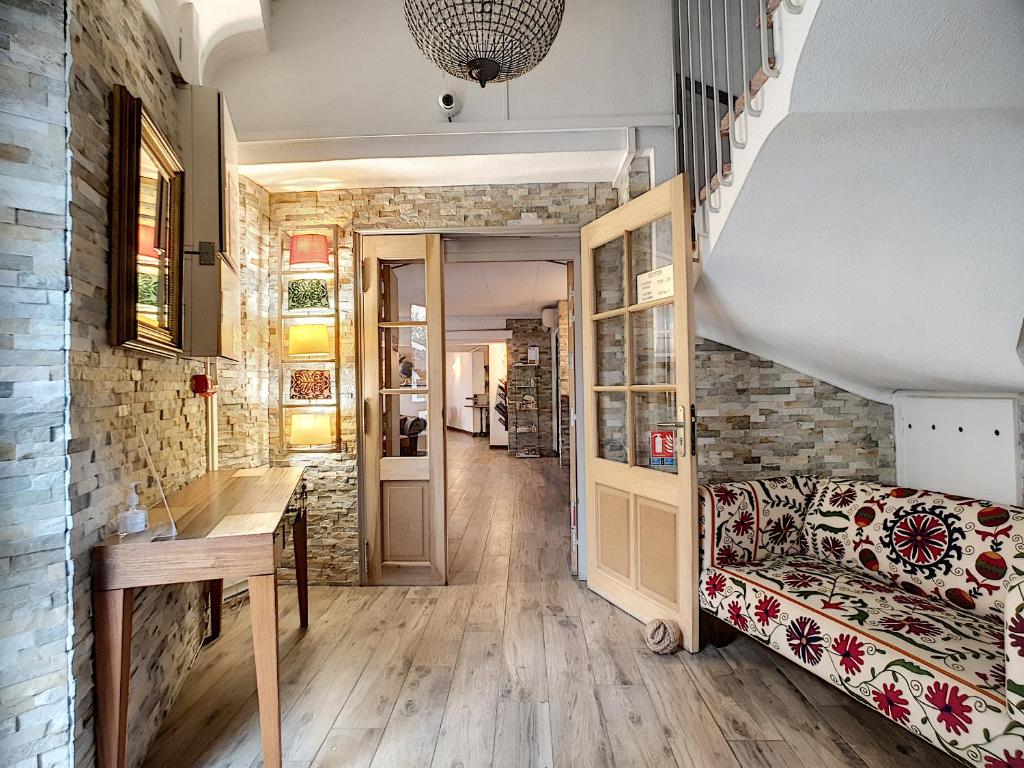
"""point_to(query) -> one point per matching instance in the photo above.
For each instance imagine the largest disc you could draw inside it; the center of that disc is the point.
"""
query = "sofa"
(910, 601)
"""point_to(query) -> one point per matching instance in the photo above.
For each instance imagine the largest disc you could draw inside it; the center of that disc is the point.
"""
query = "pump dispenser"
(136, 518)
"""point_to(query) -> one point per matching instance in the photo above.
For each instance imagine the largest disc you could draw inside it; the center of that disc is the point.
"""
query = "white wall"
(498, 357)
(962, 444)
(459, 386)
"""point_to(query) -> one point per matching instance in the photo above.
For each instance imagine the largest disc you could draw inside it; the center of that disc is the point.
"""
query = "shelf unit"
(522, 396)
(308, 295)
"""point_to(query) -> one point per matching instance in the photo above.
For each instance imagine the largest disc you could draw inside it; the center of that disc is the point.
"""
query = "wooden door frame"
(577, 478)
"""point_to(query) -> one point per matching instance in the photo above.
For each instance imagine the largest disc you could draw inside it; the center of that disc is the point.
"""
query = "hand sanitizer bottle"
(134, 519)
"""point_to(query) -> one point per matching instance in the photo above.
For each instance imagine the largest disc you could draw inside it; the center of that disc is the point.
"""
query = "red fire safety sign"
(663, 448)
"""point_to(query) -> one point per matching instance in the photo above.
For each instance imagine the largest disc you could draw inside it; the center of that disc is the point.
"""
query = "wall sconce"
(311, 429)
(308, 249)
(307, 340)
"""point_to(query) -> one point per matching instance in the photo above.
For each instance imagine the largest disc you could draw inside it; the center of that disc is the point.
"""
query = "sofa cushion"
(752, 520)
(947, 547)
(923, 663)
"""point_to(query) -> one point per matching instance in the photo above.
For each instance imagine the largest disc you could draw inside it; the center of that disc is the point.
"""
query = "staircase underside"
(878, 251)
(873, 235)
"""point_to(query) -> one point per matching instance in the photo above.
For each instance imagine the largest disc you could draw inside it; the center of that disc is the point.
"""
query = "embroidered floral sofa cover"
(910, 601)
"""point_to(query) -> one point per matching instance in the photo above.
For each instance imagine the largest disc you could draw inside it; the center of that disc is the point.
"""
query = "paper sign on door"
(663, 448)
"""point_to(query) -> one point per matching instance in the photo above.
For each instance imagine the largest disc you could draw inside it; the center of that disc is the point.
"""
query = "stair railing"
(719, 58)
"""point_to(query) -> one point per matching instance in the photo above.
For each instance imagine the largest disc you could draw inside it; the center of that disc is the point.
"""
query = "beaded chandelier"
(484, 40)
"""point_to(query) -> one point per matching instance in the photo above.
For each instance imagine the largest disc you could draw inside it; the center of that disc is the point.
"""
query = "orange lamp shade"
(311, 429)
(311, 339)
(308, 249)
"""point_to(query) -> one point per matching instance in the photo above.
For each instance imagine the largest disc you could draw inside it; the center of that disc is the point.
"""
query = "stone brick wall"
(243, 388)
(525, 334)
(757, 419)
(35, 693)
(115, 394)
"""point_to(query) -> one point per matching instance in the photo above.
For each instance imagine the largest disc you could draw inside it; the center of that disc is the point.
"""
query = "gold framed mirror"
(145, 232)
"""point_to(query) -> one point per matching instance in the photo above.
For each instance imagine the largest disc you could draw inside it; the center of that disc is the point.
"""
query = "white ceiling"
(502, 289)
(484, 294)
(520, 168)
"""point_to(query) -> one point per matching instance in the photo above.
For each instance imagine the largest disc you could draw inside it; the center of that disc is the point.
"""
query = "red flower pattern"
(767, 609)
(726, 494)
(850, 651)
(891, 703)
(743, 524)
(909, 624)
(921, 538)
(736, 617)
(954, 712)
(802, 580)
(805, 639)
(843, 498)
(1016, 632)
(715, 585)
(727, 556)
(833, 547)
(1016, 760)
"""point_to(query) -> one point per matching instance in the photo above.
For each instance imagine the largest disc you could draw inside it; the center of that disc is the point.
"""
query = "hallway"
(514, 664)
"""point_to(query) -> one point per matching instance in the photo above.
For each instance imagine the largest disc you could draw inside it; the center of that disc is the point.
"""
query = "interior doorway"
(467, 341)
(510, 391)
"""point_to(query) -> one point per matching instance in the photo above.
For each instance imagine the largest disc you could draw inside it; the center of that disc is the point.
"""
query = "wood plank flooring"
(514, 664)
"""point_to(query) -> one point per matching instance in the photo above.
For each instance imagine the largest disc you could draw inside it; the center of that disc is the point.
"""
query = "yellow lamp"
(311, 429)
(311, 339)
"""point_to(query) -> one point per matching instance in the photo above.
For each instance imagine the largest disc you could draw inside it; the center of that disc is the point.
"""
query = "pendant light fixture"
(484, 40)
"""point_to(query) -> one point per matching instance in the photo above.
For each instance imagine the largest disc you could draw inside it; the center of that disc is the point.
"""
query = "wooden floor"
(515, 664)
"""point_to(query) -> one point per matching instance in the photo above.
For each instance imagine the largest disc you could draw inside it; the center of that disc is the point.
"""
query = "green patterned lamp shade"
(310, 385)
(308, 293)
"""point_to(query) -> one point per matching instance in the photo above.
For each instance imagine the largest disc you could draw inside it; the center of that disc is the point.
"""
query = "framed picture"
(145, 232)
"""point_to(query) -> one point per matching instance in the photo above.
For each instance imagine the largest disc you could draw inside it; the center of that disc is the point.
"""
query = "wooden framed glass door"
(402, 385)
(640, 457)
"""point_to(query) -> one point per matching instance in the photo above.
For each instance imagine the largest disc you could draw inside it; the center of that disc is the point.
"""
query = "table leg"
(112, 627)
(215, 599)
(263, 608)
(301, 567)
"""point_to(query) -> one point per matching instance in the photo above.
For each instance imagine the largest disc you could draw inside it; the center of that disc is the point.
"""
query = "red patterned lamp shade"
(308, 249)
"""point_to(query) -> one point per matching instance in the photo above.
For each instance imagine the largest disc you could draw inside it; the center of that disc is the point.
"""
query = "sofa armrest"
(749, 521)
(727, 524)
(1013, 639)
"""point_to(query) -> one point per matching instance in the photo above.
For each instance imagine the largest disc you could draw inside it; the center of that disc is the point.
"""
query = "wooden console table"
(227, 524)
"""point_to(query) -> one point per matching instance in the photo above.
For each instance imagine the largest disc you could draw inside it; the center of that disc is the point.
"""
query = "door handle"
(675, 424)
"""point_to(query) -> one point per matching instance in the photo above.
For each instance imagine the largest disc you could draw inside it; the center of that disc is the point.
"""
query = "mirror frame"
(132, 130)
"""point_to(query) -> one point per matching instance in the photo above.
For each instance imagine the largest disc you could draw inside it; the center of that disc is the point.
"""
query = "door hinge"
(366, 552)
(366, 415)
